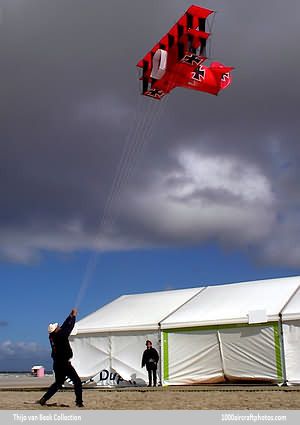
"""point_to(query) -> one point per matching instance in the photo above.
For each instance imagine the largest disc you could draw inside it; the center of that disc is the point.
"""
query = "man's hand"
(74, 312)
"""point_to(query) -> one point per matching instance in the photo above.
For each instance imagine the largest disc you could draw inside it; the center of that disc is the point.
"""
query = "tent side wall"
(291, 338)
(114, 358)
(90, 353)
(211, 354)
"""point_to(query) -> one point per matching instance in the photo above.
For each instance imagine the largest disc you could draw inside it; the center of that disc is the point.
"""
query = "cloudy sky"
(193, 189)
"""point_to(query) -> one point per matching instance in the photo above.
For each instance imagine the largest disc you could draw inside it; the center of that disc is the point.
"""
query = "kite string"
(121, 166)
(138, 131)
(122, 170)
(92, 260)
(126, 163)
(110, 220)
(144, 138)
(135, 143)
(146, 135)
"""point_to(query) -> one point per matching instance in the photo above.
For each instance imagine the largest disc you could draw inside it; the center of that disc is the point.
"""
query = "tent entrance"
(226, 353)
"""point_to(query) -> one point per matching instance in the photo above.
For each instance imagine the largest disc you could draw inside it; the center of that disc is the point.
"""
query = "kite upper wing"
(176, 60)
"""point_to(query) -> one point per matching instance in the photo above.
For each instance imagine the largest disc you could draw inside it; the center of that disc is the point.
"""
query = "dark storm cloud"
(69, 94)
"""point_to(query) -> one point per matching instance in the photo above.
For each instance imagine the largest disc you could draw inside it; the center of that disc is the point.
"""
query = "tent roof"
(135, 312)
(232, 303)
(292, 310)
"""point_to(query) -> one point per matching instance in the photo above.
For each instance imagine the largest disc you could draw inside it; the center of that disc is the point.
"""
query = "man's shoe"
(79, 404)
(41, 401)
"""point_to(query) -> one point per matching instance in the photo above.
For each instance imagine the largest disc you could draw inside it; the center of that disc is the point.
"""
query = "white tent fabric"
(127, 352)
(291, 339)
(193, 358)
(291, 310)
(91, 354)
(244, 319)
(249, 352)
(232, 303)
(135, 312)
(112, 359)
(216, 355)
(109, 343)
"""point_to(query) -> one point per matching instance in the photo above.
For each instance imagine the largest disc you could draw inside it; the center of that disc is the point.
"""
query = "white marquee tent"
(233, 332)
(108, 344)
(230, 332)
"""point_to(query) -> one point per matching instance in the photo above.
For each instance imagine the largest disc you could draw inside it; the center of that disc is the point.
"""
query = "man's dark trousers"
(62, 371)
(152, 372)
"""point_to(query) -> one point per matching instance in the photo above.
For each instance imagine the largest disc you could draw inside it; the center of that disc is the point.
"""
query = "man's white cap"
(52, 327)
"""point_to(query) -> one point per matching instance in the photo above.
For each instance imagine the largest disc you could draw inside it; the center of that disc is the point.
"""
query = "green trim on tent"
(278, 352)
(217, 327)
(166, 355)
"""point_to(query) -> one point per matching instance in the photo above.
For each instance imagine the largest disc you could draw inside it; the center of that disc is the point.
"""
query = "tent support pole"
(160, 354)
(110, 354)
(280, 327)
(221, 353)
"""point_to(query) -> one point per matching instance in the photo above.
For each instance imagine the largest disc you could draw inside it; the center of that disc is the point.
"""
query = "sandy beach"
(22, 392)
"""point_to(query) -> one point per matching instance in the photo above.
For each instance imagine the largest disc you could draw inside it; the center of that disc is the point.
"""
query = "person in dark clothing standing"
(61, 355)
(150, 359)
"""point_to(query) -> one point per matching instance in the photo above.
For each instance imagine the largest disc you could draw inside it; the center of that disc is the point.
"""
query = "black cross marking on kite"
(192, 59)
(156, 93)
(199, 73)
(225, 76)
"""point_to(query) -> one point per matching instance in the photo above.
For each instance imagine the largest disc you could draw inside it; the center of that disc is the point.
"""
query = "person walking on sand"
(61, 355)
(150, 359)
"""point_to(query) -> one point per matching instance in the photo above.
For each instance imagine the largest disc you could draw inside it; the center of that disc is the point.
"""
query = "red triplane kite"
(177, 59)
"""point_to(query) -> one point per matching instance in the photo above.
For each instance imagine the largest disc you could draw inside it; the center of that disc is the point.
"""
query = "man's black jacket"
(150, 355)
(61, 349)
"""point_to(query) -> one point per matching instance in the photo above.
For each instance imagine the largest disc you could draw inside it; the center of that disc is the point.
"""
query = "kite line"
(139, 134)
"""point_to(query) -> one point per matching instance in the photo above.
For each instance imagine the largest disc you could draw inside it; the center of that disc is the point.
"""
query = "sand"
(196, 397)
